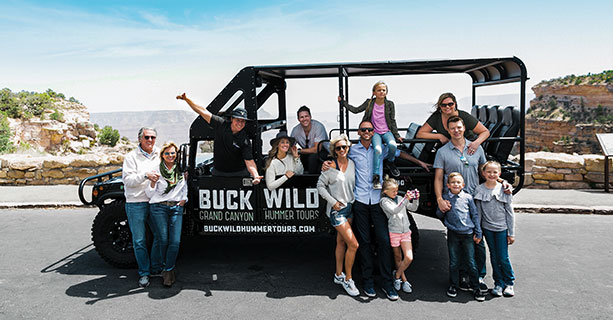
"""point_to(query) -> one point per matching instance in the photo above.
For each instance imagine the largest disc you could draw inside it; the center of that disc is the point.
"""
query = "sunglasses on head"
(169, 153)
(149, 137)
(367, 129)
(338, 148)
(450, 104)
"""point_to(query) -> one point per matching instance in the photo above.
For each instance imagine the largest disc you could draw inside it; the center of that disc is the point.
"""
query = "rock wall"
(563, 136)
(18, 169)
(544, 170)
(547, 170)
(566, 118)
(72, 133)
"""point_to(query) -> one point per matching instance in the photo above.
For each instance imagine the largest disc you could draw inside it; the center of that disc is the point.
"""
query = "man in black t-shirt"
(232, 153)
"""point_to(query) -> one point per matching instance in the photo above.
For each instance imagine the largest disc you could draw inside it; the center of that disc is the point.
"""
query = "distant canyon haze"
(173, 125)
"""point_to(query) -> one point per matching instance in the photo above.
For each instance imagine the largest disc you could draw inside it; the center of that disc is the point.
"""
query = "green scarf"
(172, 176)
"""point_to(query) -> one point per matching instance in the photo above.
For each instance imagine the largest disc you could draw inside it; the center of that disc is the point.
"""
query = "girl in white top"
(168, 195)
(336, 187)
(395, 208)
(283, 160)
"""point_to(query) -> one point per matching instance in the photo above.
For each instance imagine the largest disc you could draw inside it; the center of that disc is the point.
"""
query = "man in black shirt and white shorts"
(232, 153)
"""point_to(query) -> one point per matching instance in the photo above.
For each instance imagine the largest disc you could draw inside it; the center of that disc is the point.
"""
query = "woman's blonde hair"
(166, 146)
(333, 142)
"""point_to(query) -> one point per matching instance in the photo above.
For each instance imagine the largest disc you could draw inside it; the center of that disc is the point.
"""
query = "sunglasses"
(464, 160)
(338, 148)
(149, 137)
(169, 153)
(367, 129)
(450, 104)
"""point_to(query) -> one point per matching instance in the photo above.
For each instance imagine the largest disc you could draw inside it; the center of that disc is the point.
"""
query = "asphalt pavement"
(50, 270)
(585, 201)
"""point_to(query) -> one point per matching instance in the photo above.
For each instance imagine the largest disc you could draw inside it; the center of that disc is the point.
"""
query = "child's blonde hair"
(491, 163)
(453, 175)
(389, 183)
(379, 83)
(371, 101)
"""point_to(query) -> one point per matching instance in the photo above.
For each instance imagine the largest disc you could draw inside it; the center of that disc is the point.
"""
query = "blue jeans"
(460, 246)
(377, 143)
(138, 216)
(363, 217)
(168, 221)
(502, 272)
(479, 260)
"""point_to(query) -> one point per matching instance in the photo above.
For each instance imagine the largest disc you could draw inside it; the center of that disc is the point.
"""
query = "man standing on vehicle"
(232, 153)
(138, 169)
(308, 133)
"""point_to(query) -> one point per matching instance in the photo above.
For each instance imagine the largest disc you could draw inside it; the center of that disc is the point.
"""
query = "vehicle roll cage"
(482, 71)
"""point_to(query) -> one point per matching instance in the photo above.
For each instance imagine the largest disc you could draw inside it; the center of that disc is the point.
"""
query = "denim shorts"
(339, 217)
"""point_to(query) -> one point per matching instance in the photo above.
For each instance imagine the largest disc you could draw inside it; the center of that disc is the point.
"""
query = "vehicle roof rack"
(483, 71)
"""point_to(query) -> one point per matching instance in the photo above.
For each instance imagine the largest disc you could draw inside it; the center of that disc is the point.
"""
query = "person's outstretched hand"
(181, 96)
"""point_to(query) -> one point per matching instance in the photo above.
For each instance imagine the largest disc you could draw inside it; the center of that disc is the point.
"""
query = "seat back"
(474, 111)
(508, 128)
(422, 151)
(411, 133)
(483, 116)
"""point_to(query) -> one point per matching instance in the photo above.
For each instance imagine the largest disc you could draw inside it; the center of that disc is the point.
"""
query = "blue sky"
(137, 55)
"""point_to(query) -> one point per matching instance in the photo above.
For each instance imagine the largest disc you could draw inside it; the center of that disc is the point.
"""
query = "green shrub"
(5, 135)
(108, 136)
(56, 115)
(25, 105)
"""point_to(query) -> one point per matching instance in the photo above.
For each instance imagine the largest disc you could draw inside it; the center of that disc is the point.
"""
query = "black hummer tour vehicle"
(232, 205)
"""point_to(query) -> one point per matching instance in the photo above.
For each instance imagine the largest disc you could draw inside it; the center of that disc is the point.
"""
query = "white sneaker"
(143, 281)
(350, 287)
(339, 279)
(406, 287)
(497, 291)
(508, 291)
(397, 284)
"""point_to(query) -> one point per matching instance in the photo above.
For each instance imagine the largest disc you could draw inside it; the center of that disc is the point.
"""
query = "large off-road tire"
(112, 237)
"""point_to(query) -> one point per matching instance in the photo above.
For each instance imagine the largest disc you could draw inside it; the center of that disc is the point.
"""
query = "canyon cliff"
(566, 114)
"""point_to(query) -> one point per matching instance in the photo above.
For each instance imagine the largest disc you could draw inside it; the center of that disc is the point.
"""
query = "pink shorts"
(397, 238)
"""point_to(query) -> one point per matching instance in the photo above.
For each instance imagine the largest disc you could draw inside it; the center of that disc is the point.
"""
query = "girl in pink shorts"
(396, 209)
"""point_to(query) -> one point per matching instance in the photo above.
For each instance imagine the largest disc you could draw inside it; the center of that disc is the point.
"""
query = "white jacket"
(135, 165)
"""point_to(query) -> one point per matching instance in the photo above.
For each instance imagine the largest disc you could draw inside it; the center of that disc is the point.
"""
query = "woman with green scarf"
(168, 195)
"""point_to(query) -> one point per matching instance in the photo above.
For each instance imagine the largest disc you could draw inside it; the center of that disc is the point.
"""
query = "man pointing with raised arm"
(232, 153)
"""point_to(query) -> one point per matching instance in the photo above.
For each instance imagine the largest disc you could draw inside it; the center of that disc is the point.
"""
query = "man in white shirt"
(308, 133)
(138, 170)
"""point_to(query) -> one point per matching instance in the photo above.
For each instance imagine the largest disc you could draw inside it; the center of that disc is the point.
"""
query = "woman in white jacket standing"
(336, 186)
(167, 198)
